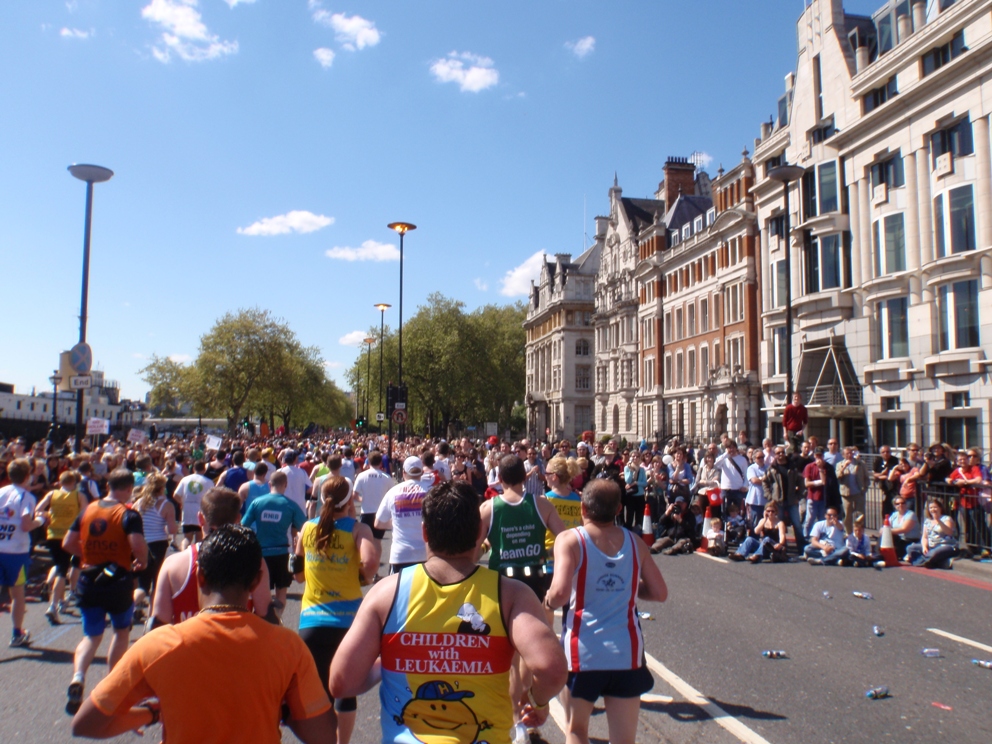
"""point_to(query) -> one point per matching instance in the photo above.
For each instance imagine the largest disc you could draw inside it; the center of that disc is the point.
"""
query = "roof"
(642, 213)
(686, 209)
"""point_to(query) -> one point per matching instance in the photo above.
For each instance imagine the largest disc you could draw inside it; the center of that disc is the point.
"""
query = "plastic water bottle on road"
(877, 630)
(826, 595)
(982, 664)
(877, 693)
(931, 653)
(775, 654)
(862, 595)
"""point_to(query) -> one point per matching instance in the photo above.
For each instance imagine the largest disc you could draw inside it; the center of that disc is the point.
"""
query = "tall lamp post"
(787, 174)
(402, 228)
(91, 174)
(56, 380)
(369, 340)
(382, 307)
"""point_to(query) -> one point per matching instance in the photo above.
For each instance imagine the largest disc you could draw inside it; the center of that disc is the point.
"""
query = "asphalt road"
(704, 649)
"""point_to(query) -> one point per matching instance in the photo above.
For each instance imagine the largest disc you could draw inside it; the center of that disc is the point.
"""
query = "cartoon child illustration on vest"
(439, 715)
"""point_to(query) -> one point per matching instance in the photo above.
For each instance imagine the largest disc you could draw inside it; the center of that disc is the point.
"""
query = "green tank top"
(516, 534)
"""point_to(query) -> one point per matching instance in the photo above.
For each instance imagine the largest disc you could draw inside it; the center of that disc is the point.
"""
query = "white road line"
(959, 639)
(692, 695)
(650, 697)
(558, 714)
(712, 557)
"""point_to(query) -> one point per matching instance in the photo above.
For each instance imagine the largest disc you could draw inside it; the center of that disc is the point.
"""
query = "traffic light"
(361, 422)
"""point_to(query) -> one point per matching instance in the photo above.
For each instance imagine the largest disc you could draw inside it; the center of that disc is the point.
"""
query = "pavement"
(704, 649)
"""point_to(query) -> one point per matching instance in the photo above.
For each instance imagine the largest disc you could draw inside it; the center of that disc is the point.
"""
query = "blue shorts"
(14, 568)
(95, 620)
(618, 683)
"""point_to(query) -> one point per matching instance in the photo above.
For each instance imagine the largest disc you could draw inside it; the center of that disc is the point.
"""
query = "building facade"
(699, 313)
(890, 237)
(560, 347)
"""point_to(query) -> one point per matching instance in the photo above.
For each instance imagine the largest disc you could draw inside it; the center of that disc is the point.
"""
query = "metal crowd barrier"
(967, 510)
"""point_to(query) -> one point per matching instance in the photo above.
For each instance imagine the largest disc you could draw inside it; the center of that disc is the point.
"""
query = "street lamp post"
(402, 228)
(56, 380)
(382, 307)
(369, 340)
(91, 174)
(787, 174)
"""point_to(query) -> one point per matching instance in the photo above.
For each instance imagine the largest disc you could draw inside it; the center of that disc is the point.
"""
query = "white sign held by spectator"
(137, 436)
(491, 427)
(97, 426)
(214, 443)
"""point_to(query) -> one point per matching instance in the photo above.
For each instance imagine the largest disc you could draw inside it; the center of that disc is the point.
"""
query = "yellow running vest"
(63, 508)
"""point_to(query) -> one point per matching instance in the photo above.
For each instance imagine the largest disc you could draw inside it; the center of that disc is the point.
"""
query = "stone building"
(560, 346)
(697, 281)
(890, 240)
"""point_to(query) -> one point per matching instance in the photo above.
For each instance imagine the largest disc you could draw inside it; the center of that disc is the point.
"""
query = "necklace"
(225, 608)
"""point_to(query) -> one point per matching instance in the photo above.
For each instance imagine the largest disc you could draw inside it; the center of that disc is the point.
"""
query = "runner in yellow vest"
(443, 630)
(60, 509)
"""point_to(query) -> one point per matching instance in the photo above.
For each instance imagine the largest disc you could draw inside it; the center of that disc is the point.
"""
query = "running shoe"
(20, 639)
(814, 561)
(75, 695)
(52, 613)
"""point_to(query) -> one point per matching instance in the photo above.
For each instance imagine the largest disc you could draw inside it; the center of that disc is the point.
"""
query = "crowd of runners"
(202, 546)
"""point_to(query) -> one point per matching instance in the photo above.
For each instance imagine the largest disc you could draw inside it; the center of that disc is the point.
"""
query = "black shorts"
(323, 643)
(193, 532)
(279, 575)
(110, 589)
(60, 557)
(369, 519)
(538, 581)
(619, 683)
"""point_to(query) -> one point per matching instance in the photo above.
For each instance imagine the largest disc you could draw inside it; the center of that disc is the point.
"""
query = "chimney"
(861, 58)
(919, 14)
(766, 130)
(565, 258)
(904, 24)
(680, 177)
(601, 226)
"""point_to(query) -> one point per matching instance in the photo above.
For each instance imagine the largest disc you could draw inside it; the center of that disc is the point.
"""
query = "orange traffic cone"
(886, 545)
(704, 545)
(647, 531)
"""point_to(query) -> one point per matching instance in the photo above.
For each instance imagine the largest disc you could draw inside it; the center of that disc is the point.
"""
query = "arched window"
(582, 347)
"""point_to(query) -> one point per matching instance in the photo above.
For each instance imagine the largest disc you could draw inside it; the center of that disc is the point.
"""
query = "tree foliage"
(249, 363)
(459, 368)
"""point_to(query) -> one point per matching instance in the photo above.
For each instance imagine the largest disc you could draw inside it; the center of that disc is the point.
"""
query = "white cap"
(413, 466)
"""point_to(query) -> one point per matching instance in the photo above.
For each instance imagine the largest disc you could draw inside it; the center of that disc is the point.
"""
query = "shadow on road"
(46, 655)
(690, 713)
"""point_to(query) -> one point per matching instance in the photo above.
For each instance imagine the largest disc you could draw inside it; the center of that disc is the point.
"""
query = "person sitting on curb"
(766, 541)
(859, 545)
(827, 542)
(676, 529)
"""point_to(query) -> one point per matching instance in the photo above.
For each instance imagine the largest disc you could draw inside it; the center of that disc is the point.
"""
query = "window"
(668, 372)
(818, 87)
(957, 312)
(772, 163)
(958, 400)
(962, 221)
(678, 324)
(809, 194)
(686, 231)
(668, 327)
(784, 107)
(735, 352)
(697, 225)
(890, 250)
(583, 377)
(679, 371)
(822, 134)
(875, 98)
(955, 139)
(822, 263)
(710, 216)
(780, 351)
(889, 171)
(649, 373)
(691, 361)
(960, 432)
(691, 318)
(582, 347)
(938, 226)
(891, 403)
(894, 327)
(704, 362)
(776, 227)
(556, 377)
(828, 187)
(733, 308)
(779, 284)
(583, 418)
(892, 432)
(587, 318)
(940, 56)
(704, 315)
(673, 238)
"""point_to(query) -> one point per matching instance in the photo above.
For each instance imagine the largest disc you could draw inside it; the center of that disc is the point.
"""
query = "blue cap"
(440, 691)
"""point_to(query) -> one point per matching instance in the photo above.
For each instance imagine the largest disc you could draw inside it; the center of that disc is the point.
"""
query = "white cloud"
(480, 285)
(184, 33)
(472, 72)
(704, 158)
(325, 56)
(582, 47)
(517, 281)
(352, 32)
(180, 358)
(233, 3)
(335, 365)
(71, 5)
(298, 221)
(370, 250)
(76, 33)
(355, 338)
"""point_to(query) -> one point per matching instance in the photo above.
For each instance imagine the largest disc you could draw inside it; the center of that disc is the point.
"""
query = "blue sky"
(261, 147)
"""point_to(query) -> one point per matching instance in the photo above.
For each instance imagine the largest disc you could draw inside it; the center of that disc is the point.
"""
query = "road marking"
(648, 697)
(50, 635)
(947, 576)
(692, 695)
(712, 557)
(558, 714)
(959, 639)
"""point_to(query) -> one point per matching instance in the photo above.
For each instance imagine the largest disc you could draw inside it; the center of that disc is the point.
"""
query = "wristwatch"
(534, 704)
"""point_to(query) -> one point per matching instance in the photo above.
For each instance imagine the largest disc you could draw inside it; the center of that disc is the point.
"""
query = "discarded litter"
(826, 595)
(931, 653)
(645, 616)
(862, 595)
(982, 664)
(877, 693)
(775, 654)
(877, 630)
(941, 706)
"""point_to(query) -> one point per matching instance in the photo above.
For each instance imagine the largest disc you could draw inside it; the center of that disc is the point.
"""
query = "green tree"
(168, 383)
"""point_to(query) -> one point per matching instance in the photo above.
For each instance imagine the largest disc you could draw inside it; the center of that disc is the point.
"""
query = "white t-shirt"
(444, 468)
(372, 485)
(297, 483)
(191, 490)
(400, 511)
(347, 469)
(15, 503)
